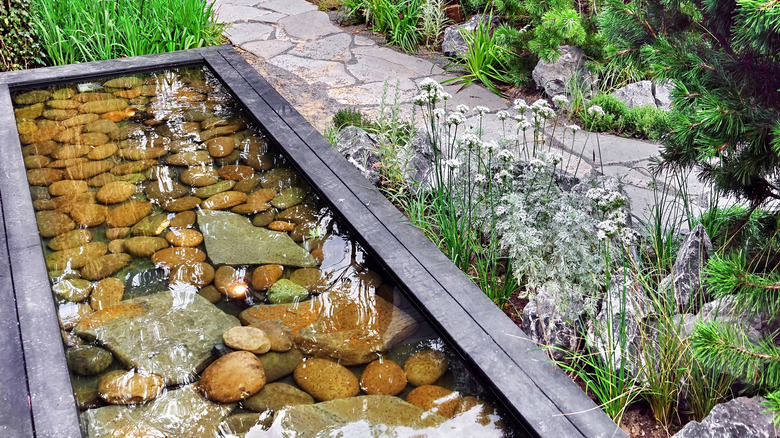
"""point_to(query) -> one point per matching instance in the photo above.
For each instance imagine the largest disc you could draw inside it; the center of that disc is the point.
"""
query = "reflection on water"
(203, 288)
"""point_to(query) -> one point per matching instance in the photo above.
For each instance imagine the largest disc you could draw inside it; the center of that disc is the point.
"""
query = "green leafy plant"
(613, 118)
(398, 20)
(348, 117)
(483, 60)
(19, 47)
(74, 31)
(433, 20)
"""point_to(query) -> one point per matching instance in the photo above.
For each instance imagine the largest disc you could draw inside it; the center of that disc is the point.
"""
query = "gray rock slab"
(329, 73)
(613, 149)
(331, 48)
(739, 418)
(267, 49)
(371, 93)
(230, 13)
(308, 25)
(288, 7)
(237, 2)
(635, 174)
(170, 333)
(663, 94)
(637, 94)
(241, 33)
(552, 77)
(640, 199)
(364, 41)
(232, 239)
(181, 413)
(374, 64)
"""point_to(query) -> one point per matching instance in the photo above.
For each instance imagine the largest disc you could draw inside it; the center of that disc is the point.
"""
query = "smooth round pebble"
(325, 380)
(233, 377)
(263, 277)
(108, 292)
(425, 367)
(122, 387)
(88, 360)
(73, 289)
(438, 400)
(275, 396)
(249, 339)
(280, 339)
(184, 237)
(383, 377)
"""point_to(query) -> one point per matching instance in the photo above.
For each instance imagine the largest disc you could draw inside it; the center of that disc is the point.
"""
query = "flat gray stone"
(308, 25)
(613, 149)
(364, 41)
(169, 333)
(371, 94)
(232, 239)
(374, 64)
(471, 96)
(739, 418)
(330, 48)
(267, 49)
(329, 73)
(230, 13)
(637, 94)
(288, 7)
(237, 2)
(240, 33)
(181, 413)
(635, 174)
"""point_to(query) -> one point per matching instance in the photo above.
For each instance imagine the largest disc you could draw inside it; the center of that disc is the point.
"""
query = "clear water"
(254, 242)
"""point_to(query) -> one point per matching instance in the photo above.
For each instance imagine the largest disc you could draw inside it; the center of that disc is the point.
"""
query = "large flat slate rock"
(232, 239)
(182, 413)
(170, 333)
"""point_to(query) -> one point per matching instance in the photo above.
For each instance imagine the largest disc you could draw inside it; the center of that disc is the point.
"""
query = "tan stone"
(185, 219)
(232, 377)
(41, 134)
(67, 187)
(221, 146)
(87, 169)
(224, 200)
(189, 158)
(383, 377)
(105, 266)
(235, 172)
(281, 341)
(435, 399)
(70, 314)
(263, 277)
(325, 380)
(101, 180)
(115, 192)
(132, 167)
(164, 189)
(117, 233)
(281, 226)
(75, 258)
(249, 339)
(59, 114)
(52, 223)
(197, 274)
(181, 204)
(73, 289)
(43, 177)
(128, 214)
(81, 119)
(63, 104)
(92, 96)
(67, 162)
(89, 215)
(31, 97)
(71, 239)
(151, 225)
(230, 282)
(102, 152)
(184, 237)
(66, 203)
(29, 112)
(145, 246)
(176, 255)
(199, 176)
(103, 106)
(142, 153)
(44, 148)
(116, 246)
(122, 387)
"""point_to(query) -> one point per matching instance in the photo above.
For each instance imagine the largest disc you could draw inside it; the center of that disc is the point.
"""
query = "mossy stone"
(285, 291)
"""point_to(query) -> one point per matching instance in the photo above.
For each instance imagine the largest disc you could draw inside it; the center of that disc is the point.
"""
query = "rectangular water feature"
(190, 181)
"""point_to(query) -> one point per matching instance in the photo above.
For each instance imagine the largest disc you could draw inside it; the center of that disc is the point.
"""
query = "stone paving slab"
(308, 25)
(240, 33)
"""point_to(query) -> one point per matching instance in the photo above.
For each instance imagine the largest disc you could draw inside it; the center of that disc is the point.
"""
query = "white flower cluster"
(616, 224)
(560, 100)
(520, 106)
(469, 140)
(482, 110)
(463, 109)
(456, 119)
(502, 115)
(596, 110)
(432, 92)
(573, 128)
(452, 163)
(606, 200)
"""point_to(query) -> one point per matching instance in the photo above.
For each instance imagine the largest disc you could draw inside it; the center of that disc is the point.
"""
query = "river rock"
(70, 314)
(280, 340)
(379, 415)
(66, 187)
(325, 380)
(197, 274)
(75, 258)
(151, 225)
(221, 146)
(43, 177)
(169, 333)
(285, 292)
(240, 424)
(117, 233)
(121, 387)
(199, 176)
(301, 213)
(142, 154)
(383, 377)
(553, 77)
(131, 167)
(101, 180)
(289, 197)
(213, 189)
(230, 282)
(435, 399)
(128, 214)
(280, 364)
(44, 148)
(31, 97)
(224, 200)
(232, 377)
(66, 203)
(178, 413)
(181, 204)
(364, 330)
(425, 367)
(87, 169)
(263, 277)
(235, 172)
(210, 293)
(247, 185)
(89, 215)
(88, 360)
(73, 289)
(71, 239)
(232, 239)
(108, 292)
(116, 246)
(52, 223)
(185, 219)
(246, 338)
(281, 226)
(280, 178)
(264, 218)
(102, 152)
(164, 189)
(124, 82)
(105, 266)
(103, 106)
(36, 161)
(145, 246)
(58, 114)
(115, 192)
(184, 237)
(311, 279)
(275, 396)
(101, 125)
(29, 112)
(741, 417)
(190, 158)
(173, 256)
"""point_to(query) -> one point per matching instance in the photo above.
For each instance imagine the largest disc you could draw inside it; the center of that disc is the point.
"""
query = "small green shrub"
(646, 121)
(611, 121)
(484, 59)
(348, 117)
(19, 47)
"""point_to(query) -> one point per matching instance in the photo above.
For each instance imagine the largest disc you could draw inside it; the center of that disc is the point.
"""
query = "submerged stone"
(232, 239)
(170, 333)
(181, 413)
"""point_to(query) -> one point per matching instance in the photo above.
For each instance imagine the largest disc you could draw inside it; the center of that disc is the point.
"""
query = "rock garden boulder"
(551, 322)
(454, 45)
(739, 418)
(692, 256)
(552, 77)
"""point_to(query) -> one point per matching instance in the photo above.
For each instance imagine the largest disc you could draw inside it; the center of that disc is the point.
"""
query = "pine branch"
(772, 403)
(727, 347)
(756, 293)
